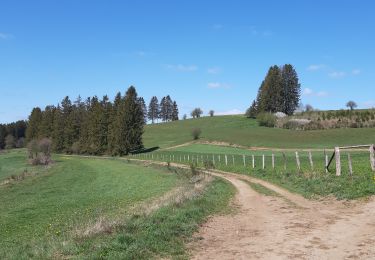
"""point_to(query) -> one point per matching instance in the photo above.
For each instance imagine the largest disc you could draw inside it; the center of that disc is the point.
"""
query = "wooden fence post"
(338, 161)
(253, 158)
(263, 162)
(372, 157)
(311, 161)
(233, 159)
(273, 161)
(350, 165)
(226, 160)
(219, 158)
(244, 160)
(284, 156)
(188, 158)
(326, 164)
(298, 162)
(213, 159)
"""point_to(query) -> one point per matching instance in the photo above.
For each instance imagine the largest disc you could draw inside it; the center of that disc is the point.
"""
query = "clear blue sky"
(210, 54)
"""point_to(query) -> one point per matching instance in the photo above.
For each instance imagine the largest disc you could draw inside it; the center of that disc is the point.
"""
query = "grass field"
(308, 182)
(243, 131)
(41, 215)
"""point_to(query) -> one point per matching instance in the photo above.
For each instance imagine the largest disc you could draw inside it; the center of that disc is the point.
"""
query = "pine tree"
(251, 112)
(153, 109)
(46, 126)
(2, 136)
(130, 124)
(35, 119)
(169, 108)
(174, 111)
(270, 95)
(144, 108)
(58, 130)
(163, 115)
(112, 126)
(291, 89)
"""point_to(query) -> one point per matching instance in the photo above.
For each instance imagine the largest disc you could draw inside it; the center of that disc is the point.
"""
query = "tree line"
(13, 135)
(93, 126)
(280, 91)
(166, 110)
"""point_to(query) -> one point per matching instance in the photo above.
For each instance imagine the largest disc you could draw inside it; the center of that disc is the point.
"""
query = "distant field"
(93, 208)
(243, 131)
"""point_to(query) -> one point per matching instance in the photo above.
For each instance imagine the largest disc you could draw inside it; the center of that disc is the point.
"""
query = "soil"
(287, 227)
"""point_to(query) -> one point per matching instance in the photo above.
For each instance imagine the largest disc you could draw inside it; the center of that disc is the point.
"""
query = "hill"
(237, 129)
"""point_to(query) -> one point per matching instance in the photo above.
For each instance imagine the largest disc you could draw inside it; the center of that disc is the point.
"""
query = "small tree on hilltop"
(196, 113)
(351, 104)
(184, 117)
(309, 108)
(211, 113)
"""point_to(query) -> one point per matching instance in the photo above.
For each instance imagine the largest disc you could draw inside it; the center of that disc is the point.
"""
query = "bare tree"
(351, 104)
(10, 142)
(211, 113)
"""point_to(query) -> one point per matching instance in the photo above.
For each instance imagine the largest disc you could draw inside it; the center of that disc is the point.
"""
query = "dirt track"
(268, 227)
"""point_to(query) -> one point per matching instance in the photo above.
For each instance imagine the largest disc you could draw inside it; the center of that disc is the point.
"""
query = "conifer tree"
(35, 119)
(270, 96)
(2, 136)
(58, 130)
(153, 109)
(251, 112)
(291, 89)
(130, 124)
(174, 111)
(144, 108)
(163, 115)
(112, 125)
(46, 126)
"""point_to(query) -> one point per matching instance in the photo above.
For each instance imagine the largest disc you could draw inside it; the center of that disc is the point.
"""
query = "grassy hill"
(243, 131)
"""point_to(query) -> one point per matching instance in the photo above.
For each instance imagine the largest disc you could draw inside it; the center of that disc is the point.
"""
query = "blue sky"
(208, 54)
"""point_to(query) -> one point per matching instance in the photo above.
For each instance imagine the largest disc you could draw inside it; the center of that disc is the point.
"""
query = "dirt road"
(287, 227)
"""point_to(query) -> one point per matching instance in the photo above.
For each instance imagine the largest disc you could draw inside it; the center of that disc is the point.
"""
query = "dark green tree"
(112, 126)
(3, 134)
(153, 109)
(144, 108)
(270, 95)
(58, 130)
(174, 111)
(46, 126)
(252, 111)
(35, 119)
(129, 124)
(291, 89)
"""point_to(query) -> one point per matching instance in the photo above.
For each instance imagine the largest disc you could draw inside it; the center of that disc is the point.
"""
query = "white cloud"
(369, 104)
(307, 91)
(311, 93)
(356, 71)
(337, 74)
(183, 68)
(218, 26)
(213, 70)
(234, 111)
(216, 85)
(315, 67)
(5, 36)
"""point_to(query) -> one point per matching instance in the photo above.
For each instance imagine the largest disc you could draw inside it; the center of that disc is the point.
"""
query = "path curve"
(265, 227)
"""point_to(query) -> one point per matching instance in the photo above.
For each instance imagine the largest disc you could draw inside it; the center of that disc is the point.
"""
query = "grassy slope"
(244, 131)
(74, 190)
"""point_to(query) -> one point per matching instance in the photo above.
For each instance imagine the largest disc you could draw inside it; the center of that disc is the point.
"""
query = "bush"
(266, 119)
(196, 132)
(40, 151)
